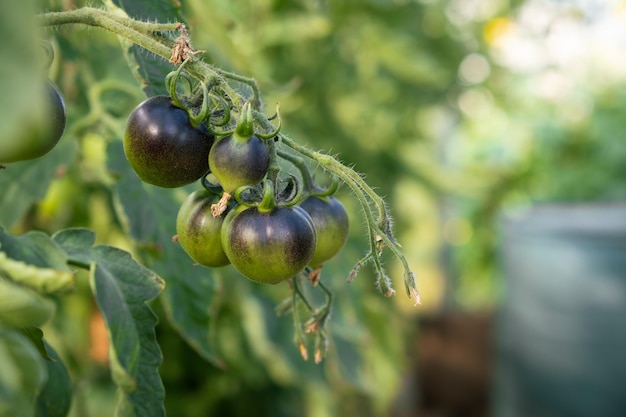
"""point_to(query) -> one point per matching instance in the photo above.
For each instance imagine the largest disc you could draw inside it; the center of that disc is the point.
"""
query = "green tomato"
(331, 226)
(199, 233)
(268, 247)
(37, 139)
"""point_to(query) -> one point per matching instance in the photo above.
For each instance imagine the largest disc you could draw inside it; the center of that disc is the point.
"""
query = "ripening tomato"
(199, 233)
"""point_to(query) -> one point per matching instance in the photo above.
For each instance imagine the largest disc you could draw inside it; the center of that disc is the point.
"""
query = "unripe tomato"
(37, 139)
(163, 147)
(331, 226)
(236, 161)
(268, 247)
(199, 233)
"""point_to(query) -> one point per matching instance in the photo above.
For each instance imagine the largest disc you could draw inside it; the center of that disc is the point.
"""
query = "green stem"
(135, 32)
(256, 98)
(376, 228)
(297, 291)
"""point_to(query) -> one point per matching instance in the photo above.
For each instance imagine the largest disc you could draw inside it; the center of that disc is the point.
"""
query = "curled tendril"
(253, 195)
(209, 186)
(294, 189)
(171, 81)
(203, 114)
(226, 109)
(276, 131)
(330, 190)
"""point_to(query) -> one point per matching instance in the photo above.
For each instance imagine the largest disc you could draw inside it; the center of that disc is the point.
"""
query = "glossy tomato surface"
(199, 233)
(331, 224)
(163, 147)
(268, 247)
(237, 161)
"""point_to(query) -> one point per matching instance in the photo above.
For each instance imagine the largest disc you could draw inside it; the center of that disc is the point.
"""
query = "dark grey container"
(561, 327)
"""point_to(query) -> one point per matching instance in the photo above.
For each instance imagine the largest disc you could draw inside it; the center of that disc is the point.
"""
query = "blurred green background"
(457, 112)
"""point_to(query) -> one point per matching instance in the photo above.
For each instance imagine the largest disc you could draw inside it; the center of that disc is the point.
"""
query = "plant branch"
(142, 34)
(378, 229)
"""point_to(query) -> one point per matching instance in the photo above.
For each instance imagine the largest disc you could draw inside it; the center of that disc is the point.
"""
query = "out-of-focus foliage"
(455, 110)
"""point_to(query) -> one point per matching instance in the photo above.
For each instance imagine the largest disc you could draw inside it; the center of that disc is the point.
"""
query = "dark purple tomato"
(163, 147)
(331, 224)
(268, 247)
(236, 161)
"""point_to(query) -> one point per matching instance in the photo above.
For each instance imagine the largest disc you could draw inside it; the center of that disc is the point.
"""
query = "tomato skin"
(268, 247)
(39, 138)
(331, 224)
(199, 233)
(163, 147)
(236, 161)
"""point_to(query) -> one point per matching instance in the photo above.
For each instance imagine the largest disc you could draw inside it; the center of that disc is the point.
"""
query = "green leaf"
(22, 375)
(23, 307)
(151, 215)
(36, 337)
(150, 68)
(24, 183)
(55, 397)
(122, 288)
(33, 259)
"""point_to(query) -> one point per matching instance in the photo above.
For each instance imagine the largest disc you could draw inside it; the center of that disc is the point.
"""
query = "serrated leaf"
(33, 259)
(151, 214)
(24, 183)
(22, 375)
(150, 68)
(122, 288)
(55, 397)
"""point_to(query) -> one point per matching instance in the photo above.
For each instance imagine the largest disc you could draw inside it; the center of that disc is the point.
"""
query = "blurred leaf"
(23, 374)
(33, 259)
(151, 213)
(152, 10)
(149, 67)
(24, 183)
(36, 337)
(122, 289)
(21, 306)
(55, 398)
(21, 70)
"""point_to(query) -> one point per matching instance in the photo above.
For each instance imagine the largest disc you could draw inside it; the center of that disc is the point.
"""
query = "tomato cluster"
(266, 240)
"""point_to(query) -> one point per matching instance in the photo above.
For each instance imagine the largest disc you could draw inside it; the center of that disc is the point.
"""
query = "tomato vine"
(150, 36)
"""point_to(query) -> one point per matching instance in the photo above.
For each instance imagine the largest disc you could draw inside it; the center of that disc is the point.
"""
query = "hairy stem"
(377, 228)
(141, 34)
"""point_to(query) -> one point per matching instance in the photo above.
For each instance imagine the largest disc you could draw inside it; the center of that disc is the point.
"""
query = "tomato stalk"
(379, 229)
(144, 34)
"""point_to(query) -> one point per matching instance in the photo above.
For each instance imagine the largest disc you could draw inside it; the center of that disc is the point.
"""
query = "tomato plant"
(197, 118)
